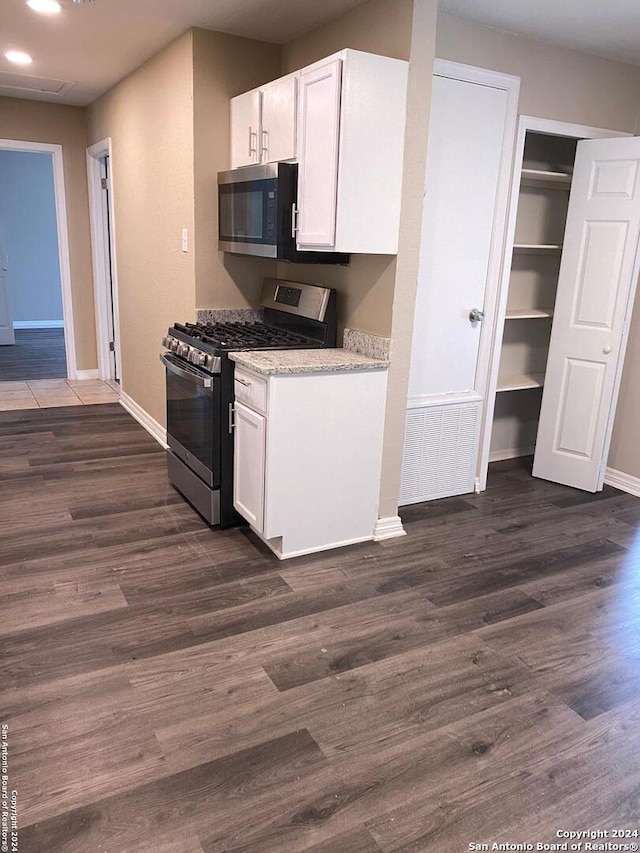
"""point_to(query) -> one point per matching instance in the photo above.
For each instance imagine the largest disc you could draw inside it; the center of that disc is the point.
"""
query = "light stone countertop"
(329, 360)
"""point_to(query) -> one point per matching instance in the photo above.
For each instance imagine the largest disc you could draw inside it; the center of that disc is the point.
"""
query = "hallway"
(51, 393)
(36, 354)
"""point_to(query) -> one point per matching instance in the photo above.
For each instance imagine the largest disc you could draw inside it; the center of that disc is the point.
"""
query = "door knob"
(606, 350)
(476, 315)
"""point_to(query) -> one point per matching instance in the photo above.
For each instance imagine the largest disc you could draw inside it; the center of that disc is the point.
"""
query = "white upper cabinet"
(278, 131)
(319, 139)
(263, 124)
(245, 129)
(351, 125)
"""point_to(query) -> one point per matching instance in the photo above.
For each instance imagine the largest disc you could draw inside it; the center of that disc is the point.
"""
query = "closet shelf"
(538, 177)
(536, 249)
(528, 313)
(520, 381)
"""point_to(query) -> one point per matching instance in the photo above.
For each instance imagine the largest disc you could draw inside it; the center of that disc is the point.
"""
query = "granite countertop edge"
(330, 360)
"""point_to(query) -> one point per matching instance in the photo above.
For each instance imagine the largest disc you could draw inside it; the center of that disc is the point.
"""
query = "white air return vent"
(17, 84)
(440, 449)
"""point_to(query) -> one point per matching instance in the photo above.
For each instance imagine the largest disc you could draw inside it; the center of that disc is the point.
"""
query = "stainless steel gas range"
(200, 386)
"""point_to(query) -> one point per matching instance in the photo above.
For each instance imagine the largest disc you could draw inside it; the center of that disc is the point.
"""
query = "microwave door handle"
(172, 367)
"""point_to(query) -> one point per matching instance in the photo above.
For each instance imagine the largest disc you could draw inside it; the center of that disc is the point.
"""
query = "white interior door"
(597, 281)
(466, 134)
(470, 150)
(7, 335)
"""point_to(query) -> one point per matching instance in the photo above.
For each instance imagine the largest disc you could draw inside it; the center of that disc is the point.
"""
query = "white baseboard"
(624, 482)
(144, 419)
(38, 324)
(87, 374)
(388, 528)
(511, 453)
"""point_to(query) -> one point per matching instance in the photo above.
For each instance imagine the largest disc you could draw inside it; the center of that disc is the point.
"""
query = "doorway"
(103, 250)
(36, 319)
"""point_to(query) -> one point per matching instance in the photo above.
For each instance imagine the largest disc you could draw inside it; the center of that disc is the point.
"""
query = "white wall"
(30, 235)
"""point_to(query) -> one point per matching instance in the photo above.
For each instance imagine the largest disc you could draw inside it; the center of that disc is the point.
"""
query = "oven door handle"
(195, 376)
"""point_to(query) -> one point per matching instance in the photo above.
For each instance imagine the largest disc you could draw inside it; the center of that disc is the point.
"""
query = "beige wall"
(149, 117)
(33, 121)
(223, 66)
(574, 87)
(415, 162)
(365, 288)
(556, 82)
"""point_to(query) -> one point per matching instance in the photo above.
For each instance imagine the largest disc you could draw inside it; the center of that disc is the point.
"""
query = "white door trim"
(537, 125)
(63, 238)
(100, 260)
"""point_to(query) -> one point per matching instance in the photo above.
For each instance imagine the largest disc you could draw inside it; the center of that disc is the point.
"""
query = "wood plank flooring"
(174, 689)
(36, 354)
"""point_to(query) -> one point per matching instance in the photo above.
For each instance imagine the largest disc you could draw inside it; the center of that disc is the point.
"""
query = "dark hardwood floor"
(172, 689)
(36, 354)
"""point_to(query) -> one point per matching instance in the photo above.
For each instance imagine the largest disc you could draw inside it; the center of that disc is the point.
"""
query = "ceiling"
(609, 28)
(95, 45)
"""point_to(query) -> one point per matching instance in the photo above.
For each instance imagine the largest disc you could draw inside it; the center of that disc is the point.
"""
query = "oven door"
(193, 418)
(247, 211)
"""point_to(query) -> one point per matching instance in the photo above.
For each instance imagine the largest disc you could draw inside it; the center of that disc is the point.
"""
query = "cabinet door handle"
(232, 422)
(294, 220)
(243, 382)
(476, 315)
(265, 141)
(252, 133)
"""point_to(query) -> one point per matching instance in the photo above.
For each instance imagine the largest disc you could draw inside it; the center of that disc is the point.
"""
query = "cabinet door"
(319, 127)
(245, 129)
(278, 135)
(598, 274)
(249, 465)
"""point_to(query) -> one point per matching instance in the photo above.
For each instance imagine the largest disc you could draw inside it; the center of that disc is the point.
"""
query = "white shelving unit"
(545, 182)
(529, 313)
(520, 381)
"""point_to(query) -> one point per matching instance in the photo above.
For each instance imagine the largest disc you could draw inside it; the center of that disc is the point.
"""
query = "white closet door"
(598, 274)
(466, 138)
(473, 114)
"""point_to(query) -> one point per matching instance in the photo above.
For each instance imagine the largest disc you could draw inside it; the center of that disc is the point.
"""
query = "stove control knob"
(165, 342)
(202, 359)
(183, 350)
(173, 344)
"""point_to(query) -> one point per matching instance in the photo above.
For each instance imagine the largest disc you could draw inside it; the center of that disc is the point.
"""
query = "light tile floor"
(45, 393)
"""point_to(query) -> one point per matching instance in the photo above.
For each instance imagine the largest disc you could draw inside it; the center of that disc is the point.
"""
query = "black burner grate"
(229, 336)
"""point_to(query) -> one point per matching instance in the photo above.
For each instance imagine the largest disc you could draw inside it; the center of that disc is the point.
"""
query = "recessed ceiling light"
(45, 7)
(18, 57)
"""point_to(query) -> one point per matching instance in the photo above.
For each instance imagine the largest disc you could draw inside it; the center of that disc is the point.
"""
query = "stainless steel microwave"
(256, 209)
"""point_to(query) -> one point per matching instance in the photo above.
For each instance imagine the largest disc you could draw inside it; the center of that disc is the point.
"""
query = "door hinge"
(103, 181)
(112, 346)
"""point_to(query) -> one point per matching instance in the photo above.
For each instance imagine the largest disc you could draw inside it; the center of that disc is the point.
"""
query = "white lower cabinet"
(249, 465)
(308, 457)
